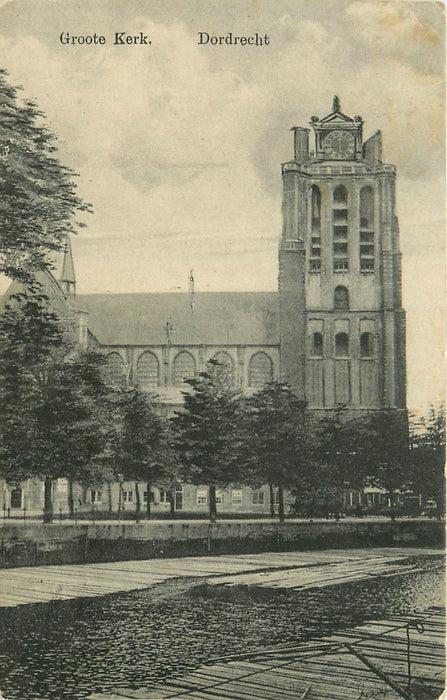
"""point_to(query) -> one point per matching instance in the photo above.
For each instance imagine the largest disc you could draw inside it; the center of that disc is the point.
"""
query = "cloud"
(396, 29)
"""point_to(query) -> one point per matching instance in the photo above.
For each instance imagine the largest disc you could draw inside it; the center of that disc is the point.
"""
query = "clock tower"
(342, 338)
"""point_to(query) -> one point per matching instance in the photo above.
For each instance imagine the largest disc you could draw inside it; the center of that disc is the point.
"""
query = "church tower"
(342, 338)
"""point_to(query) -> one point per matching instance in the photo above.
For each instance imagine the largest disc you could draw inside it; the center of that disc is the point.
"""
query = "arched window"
(340, 229)
(366, 215)
(228, 365)
(260, 370)
(184, 368)
(341, 345)
(366, 345)
(114, 370)
(316, 349)
(147, 370)
(315, 244)
(340, 196)
(341, 298)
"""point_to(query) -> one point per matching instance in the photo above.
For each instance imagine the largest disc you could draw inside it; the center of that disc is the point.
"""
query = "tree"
(427, 456)
(50, 391)
(144, 451)
(339, 461)
(37, 194)
(278, 439)
(207, 431)
(382, 449)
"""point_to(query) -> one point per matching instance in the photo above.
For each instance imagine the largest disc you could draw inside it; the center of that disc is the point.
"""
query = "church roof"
(50, 287)
(220, 318)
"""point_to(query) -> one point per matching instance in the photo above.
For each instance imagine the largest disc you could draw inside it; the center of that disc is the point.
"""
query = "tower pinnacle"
(335, 104)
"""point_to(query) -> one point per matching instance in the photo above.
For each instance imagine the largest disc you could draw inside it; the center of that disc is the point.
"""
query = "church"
(334, 330)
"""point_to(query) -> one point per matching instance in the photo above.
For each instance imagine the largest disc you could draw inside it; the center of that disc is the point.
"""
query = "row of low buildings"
(334, 330)
(119, 498)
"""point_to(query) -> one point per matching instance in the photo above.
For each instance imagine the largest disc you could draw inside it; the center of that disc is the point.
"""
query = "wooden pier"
(401, 657)
(41, 584)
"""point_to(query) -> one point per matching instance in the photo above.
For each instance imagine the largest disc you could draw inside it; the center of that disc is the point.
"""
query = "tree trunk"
(213, 508)
(109, 496)
(120, 499)
(281, 503)
(172, 500)
(148, 501)
(70, 498)
(48, 500)
(272, 500)
(137, 503)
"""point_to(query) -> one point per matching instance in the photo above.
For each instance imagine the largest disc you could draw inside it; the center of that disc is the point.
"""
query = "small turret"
(68, 279)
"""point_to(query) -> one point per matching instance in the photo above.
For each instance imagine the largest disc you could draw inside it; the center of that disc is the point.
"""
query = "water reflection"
(69, 649)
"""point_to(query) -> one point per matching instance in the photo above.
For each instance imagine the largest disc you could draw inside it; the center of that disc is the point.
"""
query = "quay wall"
(37, 544)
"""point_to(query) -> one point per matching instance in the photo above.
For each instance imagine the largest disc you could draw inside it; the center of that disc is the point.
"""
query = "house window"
(95, 496)
(316, 349)
(127, 496)
(16, 498)
(145, 496)
(276, 496)
(147, 370)
(367, 229)
(260, 370)
(341, 298)
(164, 496)
(219, 497)
(366, 345)
(184, 368)
(236, 497)
(341, 345)
(258, 497)
(315, 241)
(202, 497)
(114, 370)
(340, 229)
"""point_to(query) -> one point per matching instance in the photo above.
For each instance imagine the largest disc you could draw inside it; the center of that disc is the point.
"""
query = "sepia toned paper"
(177, 116)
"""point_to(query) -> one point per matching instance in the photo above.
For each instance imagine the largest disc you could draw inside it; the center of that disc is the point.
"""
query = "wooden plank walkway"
(331, 574)
(39, 584)
(366, 662)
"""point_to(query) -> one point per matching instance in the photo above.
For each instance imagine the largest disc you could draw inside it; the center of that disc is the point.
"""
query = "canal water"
(69, 649)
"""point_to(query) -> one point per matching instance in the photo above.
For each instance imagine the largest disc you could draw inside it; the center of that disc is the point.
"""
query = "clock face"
(339, 144)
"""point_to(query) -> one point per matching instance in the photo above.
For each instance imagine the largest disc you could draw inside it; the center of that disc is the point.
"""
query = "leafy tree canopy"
(38, 197)
(208, 427)
(50, 393)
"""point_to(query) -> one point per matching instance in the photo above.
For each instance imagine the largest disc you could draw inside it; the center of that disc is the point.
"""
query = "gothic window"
(147, 370)
(340, 229)
(316, 349)
(260, 371)
(184, 368)
(341, 298)
(366, 222)
(114, 370)
(228, 365)
(366, 345)
(315, 244)
(341, 345)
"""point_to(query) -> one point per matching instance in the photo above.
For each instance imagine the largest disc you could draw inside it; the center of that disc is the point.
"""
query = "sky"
(178, 146)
